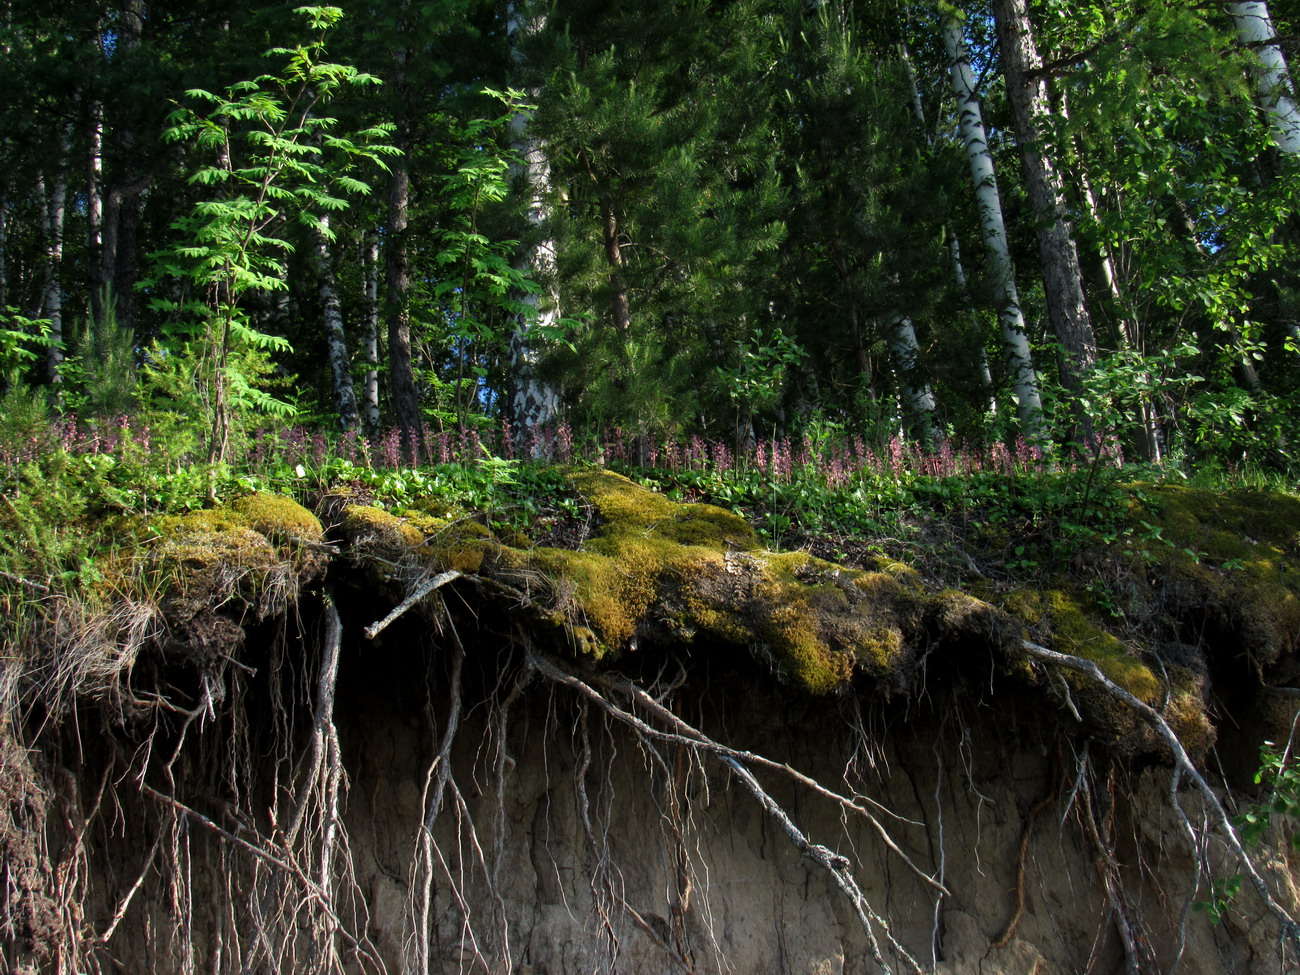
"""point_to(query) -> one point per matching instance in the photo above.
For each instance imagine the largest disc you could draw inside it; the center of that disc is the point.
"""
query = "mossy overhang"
(255, 553)
(1229, 562)
(657, 573)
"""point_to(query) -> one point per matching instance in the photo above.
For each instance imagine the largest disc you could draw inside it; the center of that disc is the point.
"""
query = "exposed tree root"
(1022, 857)
(1183, 766)
(683, 735)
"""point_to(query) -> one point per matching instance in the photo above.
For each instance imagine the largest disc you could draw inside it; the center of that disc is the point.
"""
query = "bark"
(126, 181)
(1062, 277)
(397, 267)
(1272, 80)
(913, 391)
(614, 254)
(95, 213)
(533, 402)
(54, 200)
(1015, 337)
(370, 263)
(954, 246)
(345, 397)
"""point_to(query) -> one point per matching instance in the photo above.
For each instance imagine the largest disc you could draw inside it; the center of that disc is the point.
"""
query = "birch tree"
(1273, 86)
(1067, 308)
(1015, 337)
(533, 402)
(336, 342)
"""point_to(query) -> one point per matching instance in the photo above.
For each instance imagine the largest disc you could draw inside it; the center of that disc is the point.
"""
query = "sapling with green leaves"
(274, 162)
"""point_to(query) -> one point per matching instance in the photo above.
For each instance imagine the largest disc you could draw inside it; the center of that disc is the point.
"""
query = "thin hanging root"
(1026, 834)
(692, 736)
(323, 735)
(839, 867)
(1290, 928)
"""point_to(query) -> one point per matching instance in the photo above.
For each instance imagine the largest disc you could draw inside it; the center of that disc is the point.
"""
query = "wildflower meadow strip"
(835, 464)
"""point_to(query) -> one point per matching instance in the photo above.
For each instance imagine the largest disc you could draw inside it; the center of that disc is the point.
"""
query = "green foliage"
(478, 288)
(276, 161)
(22, 340)
(1279, 779)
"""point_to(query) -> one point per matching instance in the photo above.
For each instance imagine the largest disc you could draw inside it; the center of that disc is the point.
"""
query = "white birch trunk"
(370, 339)
(54, 200)
(913, 391)
(534, 403)
(1015, 337)
(1272, 80)
(345, 397)
(95, 209)
(1058, 254)
(954, 247)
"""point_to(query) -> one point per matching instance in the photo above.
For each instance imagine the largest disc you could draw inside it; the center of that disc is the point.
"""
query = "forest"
(615, 228)
(692, 486)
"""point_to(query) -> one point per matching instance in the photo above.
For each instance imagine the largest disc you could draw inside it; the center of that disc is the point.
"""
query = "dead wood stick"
(1290, 928)
(35, 586)
(418, 593)
(648, 702)
(838, 866)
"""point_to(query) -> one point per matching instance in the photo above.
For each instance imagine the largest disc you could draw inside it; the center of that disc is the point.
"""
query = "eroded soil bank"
(617, 757)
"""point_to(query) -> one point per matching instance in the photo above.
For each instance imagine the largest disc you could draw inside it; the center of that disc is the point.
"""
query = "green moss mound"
(1229, 560)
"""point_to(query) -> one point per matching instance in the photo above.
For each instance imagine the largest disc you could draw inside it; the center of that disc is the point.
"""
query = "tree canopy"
(732, 219)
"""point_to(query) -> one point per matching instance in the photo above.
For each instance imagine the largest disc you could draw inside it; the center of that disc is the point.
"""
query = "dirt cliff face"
(662, 750)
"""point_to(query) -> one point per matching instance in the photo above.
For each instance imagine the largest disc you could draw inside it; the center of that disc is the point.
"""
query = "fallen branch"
(418, 593)
(839, 867)
(1290, 928)
(34, 586)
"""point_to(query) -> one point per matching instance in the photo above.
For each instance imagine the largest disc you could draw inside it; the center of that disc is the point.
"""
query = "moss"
(1230, 559)
(1063, 620)
(688, 572)
(278, 518)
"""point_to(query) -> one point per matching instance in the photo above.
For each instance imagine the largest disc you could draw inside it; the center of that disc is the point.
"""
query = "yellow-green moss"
(696, 571)
(278, 517)
(1066, 626)
(1235, 555)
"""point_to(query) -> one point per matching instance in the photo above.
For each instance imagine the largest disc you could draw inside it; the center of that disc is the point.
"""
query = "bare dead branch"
(416, 594)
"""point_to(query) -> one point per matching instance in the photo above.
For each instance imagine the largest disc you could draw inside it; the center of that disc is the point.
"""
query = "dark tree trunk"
(397, 267)
(1062, 277)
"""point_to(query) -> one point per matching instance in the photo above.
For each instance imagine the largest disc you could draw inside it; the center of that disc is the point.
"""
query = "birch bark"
(915, 394)
(54, 200)
(954, 247)
(1273, 84)
(533, 402)
(1062, 278)
(345, 396)
(1015, 337)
